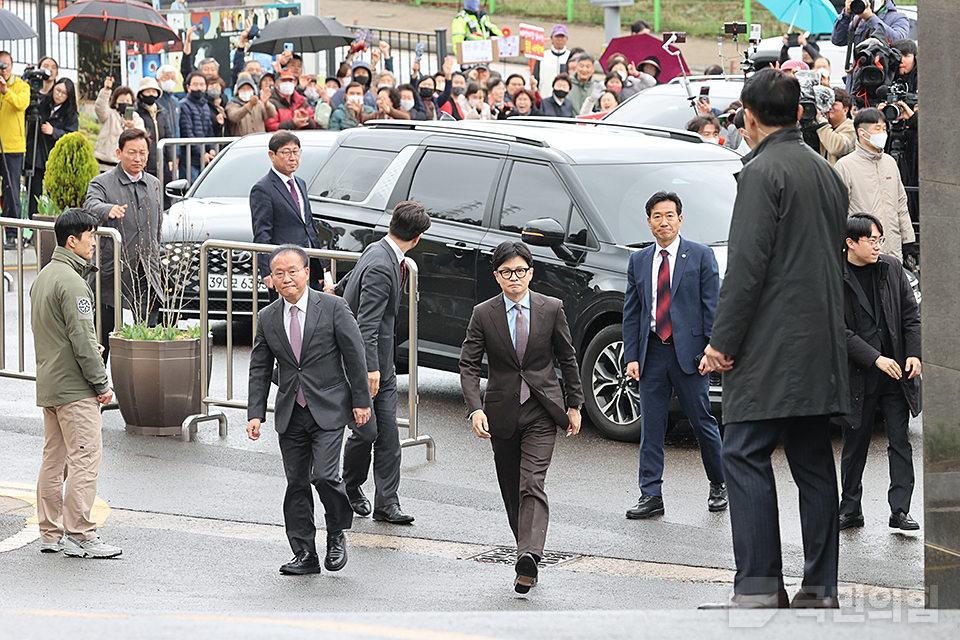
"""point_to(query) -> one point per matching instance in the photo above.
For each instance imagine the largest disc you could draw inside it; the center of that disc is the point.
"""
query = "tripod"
(33, 120)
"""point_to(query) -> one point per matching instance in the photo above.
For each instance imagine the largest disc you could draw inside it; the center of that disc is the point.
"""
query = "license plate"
(217, 282)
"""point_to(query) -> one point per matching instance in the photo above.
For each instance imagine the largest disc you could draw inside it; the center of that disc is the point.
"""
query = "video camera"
(897, 92)
(859, 6)
(814, 97)
(35, 77)
(875, 69)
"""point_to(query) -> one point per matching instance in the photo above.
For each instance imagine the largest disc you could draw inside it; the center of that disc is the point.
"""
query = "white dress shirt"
(301, 314)
(300, 196)
(395, 247)
(672, 250)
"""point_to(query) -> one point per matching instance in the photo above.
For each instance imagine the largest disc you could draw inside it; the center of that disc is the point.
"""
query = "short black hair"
(281, 139)
(561, 76)
(509, 249)
(664, 196)
(773, 97)
(290, 248)
(407, 87)
(905, 46)
(472, 88)
(713, 70)
(868, 117)
(639, 26)
(129, 135)
(860, 225)
(73, 222)
(190, 77)
(409, 220)
(841, 96)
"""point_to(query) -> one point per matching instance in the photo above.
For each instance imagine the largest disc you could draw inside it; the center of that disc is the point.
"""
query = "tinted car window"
(669, 107)
(620, 191)
(578, 232)
(240, 168)
(533, 192)
(454, 186)
(351, 174)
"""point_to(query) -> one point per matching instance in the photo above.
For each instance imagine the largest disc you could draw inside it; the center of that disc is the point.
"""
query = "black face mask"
(362, 79)
(198, 94)
(560, 93)
(458, 91)
(426, 93)
(148, 100)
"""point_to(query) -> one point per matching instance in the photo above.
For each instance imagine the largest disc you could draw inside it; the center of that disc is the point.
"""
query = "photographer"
(14, 100)
(861, 18)
(835, 128)
(904, 132)
(48, 63)
(57, 115)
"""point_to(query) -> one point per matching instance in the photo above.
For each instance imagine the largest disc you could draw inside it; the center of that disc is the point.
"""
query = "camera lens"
(892, 111)
(857, 7)
(3, 65)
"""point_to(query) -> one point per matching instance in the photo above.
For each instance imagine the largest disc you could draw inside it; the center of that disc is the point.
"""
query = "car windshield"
(662, 109)
(620, 191)
(241, 167)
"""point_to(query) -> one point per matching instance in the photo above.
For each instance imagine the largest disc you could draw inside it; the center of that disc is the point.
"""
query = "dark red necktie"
(403, 273)
(664, 329)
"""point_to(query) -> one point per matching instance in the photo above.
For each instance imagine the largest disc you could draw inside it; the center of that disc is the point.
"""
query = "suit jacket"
(276, 219)
(331, 369)
(373, 293)
(693, 302)
(548, 342)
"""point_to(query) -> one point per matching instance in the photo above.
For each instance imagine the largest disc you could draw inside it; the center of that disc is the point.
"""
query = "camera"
(35, 78)
(814, 97)
(897, 92)
(875, 68)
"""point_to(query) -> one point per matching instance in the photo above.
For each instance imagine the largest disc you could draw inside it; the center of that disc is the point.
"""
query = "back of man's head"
(773, 97)
(867, 117)
(73, 222)
(409, 220)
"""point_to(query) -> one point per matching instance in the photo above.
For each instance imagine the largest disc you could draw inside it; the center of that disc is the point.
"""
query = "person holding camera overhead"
(57, 117)
(861, 18)
(115, 113)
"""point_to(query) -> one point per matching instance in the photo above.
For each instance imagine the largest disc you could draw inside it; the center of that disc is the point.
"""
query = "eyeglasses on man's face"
(875, 242)
(507, 274)
(279, 274)
(289, 153)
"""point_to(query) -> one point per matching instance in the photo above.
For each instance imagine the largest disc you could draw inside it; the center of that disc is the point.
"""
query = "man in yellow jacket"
(473, 23)
(14, 100)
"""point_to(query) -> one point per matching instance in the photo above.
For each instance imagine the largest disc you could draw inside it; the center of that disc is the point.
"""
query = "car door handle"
(459, 246)
(486, 253)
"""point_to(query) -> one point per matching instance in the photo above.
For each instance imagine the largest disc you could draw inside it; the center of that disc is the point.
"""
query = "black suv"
(575, 191)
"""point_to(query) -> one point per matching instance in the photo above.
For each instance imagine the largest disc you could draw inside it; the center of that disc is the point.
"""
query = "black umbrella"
(307, 33)
(13, 28)
(113, 20)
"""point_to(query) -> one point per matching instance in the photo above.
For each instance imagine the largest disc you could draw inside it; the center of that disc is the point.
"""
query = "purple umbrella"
(642, 46)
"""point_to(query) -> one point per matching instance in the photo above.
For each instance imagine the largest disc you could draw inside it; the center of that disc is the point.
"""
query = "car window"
(578, 232)
(351, 174)
(669, 110)
(533, 191)
(241, 167)
(620, 192)
(454, 186)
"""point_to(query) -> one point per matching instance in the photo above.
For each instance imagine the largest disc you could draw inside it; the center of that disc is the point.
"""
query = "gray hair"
(208, 61)
(166, 68)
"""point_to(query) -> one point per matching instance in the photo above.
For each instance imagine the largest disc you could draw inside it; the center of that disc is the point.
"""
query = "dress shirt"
(512, 316)
(301, 198)
(133, 178)
(302, 306)
(396, 248)
(672, 250)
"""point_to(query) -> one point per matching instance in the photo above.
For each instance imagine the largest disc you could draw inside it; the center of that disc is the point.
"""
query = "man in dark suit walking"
(373, 290)
(314, 339)
(280, 209)
(522, 333)
(779, 338)
(668, 313)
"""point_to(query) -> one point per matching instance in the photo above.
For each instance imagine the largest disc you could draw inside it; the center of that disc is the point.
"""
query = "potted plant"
(70, 168)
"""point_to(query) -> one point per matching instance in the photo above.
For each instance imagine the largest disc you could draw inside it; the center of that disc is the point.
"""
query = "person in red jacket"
(293, 111)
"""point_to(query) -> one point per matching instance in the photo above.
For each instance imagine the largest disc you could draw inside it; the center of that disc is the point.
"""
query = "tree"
(70, 168)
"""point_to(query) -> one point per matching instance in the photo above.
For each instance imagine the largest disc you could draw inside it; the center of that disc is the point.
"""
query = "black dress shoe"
(778, 600)
(392, 514)
(803, 600)
(360, 504)
(9, 243)
(718, 496)
(647, 507)
(901, 520)
(526, 573)
(302, 563)
(848, 521)
(336, 552)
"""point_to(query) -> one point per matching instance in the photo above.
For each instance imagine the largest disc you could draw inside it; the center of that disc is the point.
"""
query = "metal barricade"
(20, 373)
(413, 437)
(435, 43)
(188, 143)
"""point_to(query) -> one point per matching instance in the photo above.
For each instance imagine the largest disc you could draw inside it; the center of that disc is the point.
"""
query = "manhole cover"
(508, 555)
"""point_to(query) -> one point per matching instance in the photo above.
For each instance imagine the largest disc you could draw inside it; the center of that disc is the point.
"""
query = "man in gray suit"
(373, 291)
(314, 339)
(128, 199)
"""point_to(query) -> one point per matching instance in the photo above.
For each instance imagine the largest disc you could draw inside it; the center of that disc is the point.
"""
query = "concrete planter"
(46, 241)
(157, 383)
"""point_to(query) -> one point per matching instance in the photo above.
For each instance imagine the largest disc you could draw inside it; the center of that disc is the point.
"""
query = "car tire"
(611, 399)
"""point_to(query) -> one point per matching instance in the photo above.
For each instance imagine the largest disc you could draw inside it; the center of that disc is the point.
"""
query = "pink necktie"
(296, 341)
(664, 328)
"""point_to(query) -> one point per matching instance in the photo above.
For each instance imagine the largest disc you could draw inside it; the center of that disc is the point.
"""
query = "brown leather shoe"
(803, 600)
(778, 600)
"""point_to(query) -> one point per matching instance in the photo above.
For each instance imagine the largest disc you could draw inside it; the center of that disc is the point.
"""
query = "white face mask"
(473, 102)
(878, 140)
(622, 74)
(384, 84)
(286, 88)
(312, 94)
(406, 105)
(168, 86)
(712, 140)
(245, 95)
(355, 99)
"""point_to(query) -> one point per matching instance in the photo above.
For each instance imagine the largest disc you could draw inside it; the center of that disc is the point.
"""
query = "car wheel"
(611, 399)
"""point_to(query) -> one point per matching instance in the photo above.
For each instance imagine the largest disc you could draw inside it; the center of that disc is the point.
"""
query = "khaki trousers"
(72, 450)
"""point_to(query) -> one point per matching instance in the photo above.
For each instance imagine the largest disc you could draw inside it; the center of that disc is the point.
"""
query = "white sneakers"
(52, 547)
(93, 548)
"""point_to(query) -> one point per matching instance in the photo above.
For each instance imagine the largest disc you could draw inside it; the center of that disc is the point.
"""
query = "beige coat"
(111, 126)
(837, 142)
(244, 120)
(873, 181)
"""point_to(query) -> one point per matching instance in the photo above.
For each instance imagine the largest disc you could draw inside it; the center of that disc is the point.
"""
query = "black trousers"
(10, 192)
(856, 443)
(754, 516)
(311, 456)
(522, 462)
(381, 436)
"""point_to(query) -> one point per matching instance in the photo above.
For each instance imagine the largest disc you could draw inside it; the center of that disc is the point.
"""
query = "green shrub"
(144, 332)
(70, 168)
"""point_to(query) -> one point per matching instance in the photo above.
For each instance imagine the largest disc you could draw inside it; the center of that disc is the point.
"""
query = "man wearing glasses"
(280, 210)
(883, 350)
(128, 199)
(522, 333)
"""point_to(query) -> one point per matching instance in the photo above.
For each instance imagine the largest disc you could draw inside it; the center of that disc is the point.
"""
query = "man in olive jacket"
(71, 381)
(779, 338)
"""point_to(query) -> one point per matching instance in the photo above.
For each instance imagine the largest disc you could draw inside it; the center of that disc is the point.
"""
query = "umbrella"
(815, 16)
(13, 28)
(307, 33)
(641, 46)
(113, 20)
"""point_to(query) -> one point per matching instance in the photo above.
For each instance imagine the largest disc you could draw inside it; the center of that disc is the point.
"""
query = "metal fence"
(435, 50)
(60, 46)
(184, 149)
(413, 437)
(46, 228)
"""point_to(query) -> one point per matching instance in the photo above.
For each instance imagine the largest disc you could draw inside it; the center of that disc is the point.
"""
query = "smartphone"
(705, 93)
(288, 46)
(793, 39)
(681, 36)
(734, 28)
(421, 47)
(128, 113)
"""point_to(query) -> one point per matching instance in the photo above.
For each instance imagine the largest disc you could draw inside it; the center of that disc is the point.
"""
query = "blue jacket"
(693, 302)
(894, 24)
(196, 121)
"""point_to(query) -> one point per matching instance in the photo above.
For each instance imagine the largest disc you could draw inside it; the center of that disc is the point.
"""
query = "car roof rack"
(434, 127)
(727, 77)
(660, 132)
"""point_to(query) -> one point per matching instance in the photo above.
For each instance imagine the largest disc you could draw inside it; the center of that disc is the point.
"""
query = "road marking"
(31, 530)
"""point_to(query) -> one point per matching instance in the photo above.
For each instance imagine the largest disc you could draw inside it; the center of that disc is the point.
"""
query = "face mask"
(384, 84)
(213, 94)
(426, 93)
(312, 94)
(559, 93)
(474, 102)
(355, 99)
(458, 91)
(615, 88)
(168, 85)
(362, 79)
(622, 74)
(712, 140)
(879, 140)
(406, 105)
(286, 88)
(148, 100)
(245, 95)
(197, 94)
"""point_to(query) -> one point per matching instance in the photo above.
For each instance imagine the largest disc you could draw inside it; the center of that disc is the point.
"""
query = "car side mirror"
(177, 188)
(543, 232)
